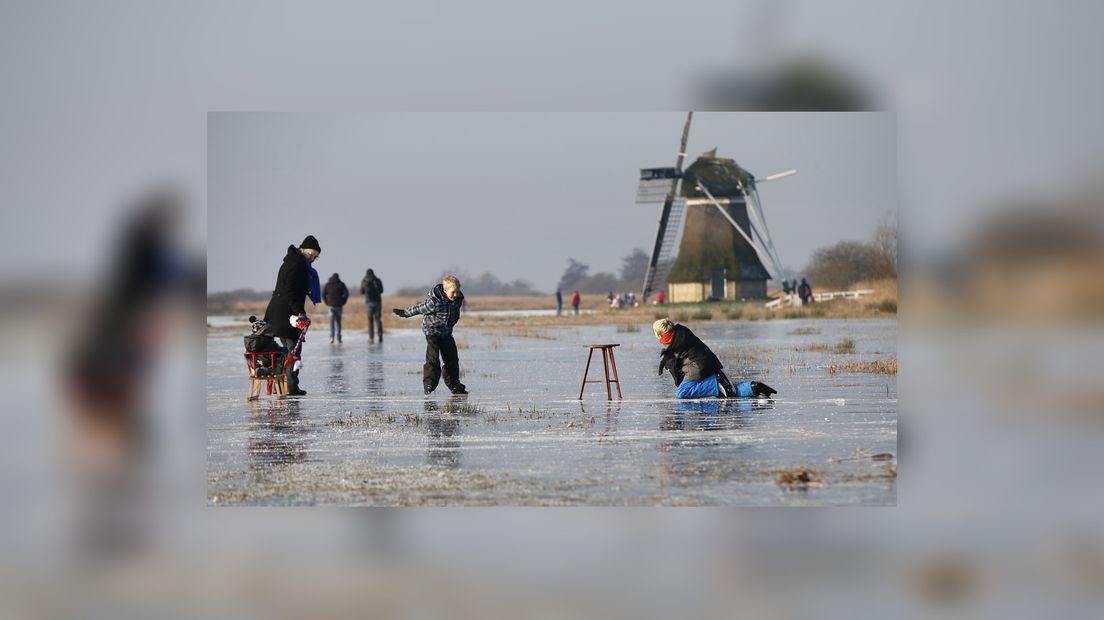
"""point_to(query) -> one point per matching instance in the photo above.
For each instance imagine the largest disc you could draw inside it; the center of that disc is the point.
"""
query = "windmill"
(711, 228)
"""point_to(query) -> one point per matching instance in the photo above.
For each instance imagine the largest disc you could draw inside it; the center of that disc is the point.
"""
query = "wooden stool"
(607, 361)
(277, 380)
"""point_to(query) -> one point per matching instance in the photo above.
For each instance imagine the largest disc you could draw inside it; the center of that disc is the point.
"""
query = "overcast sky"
(989, 108)
(516, 194)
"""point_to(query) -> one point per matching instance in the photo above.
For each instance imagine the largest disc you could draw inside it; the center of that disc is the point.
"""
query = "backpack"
(372, 288)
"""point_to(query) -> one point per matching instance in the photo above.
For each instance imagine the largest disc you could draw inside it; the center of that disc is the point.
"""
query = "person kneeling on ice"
(441, 310)
(696, 370)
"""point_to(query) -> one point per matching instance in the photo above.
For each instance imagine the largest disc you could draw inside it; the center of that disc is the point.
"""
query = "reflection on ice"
(365, 434)
(277, 435)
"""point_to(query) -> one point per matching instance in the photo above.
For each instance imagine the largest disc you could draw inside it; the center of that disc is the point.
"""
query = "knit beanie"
(310, 243)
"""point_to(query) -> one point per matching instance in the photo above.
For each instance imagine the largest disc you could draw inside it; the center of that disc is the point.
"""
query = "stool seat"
(607, 361)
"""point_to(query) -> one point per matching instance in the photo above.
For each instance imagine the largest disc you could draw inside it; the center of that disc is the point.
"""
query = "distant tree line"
(848, 262)
(238, 294)
(577, 276)
(836, 266)
(483, 284)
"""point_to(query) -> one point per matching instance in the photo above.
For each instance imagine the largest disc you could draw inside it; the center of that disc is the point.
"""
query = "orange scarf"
(666, 338)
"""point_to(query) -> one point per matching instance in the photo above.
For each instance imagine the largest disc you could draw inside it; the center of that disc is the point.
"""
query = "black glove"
(762, 390)
(665, 362)
(399, 312)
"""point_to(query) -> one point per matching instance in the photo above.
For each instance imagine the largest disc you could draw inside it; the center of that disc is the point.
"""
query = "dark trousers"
(374, 322)
(443, 347)
(292, 376)
(335, 322)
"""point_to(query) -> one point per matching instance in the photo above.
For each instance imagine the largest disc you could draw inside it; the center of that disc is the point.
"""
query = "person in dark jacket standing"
(559, 302)
(441, 311)
(805, 292)
(695, 368)
(372, 289)
(335, 294)
(293, 283)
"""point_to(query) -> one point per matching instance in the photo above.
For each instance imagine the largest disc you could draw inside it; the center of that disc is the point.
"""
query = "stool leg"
(616, 378)
(249, 393)
(605, 365)
(585, 371)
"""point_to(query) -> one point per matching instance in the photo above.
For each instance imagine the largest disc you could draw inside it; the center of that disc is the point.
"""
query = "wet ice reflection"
(365, 434)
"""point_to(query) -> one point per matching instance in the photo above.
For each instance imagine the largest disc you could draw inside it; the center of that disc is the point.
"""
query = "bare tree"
(576, 272)
(885, 244)
(633, 267)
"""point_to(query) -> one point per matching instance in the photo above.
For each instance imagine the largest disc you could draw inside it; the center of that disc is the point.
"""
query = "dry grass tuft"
(800, 477)
(526, 332)
(461, 407)
(843, 347)
(880, 367)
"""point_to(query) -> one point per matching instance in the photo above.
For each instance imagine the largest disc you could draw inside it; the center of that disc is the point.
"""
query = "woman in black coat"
(686, 356)
(695, 368)
(289, 299)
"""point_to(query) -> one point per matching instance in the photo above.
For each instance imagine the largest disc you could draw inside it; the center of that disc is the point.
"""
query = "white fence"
(793, 300)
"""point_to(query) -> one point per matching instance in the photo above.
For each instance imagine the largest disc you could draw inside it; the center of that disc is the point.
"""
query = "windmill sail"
(760, 229)
(760, 251)
(662, 184)
(655, 189)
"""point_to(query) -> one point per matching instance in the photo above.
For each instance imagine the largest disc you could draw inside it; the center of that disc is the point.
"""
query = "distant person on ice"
(696, 370)
(441, 311)
(294, 282)
(559, 302)
(575, 302)
(805, 292)
(372, 289)
(335, 294)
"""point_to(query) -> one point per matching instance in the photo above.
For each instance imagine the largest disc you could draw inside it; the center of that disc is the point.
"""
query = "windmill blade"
(762, 253)
(673, 207)
(751, 195)
(668, 230)
(777, 176)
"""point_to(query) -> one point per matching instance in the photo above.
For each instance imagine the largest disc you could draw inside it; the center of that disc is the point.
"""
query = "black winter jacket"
(335, 293)
(440, 313)
(687, 357)
(371, 287)
(290, 294)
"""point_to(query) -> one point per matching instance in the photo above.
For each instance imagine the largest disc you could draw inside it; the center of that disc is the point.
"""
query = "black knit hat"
(310, 243)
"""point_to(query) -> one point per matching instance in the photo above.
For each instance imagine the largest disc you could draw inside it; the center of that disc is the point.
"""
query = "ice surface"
(365, 434)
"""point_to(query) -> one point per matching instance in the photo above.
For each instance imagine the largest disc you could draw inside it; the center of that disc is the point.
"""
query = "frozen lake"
(365, 434)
